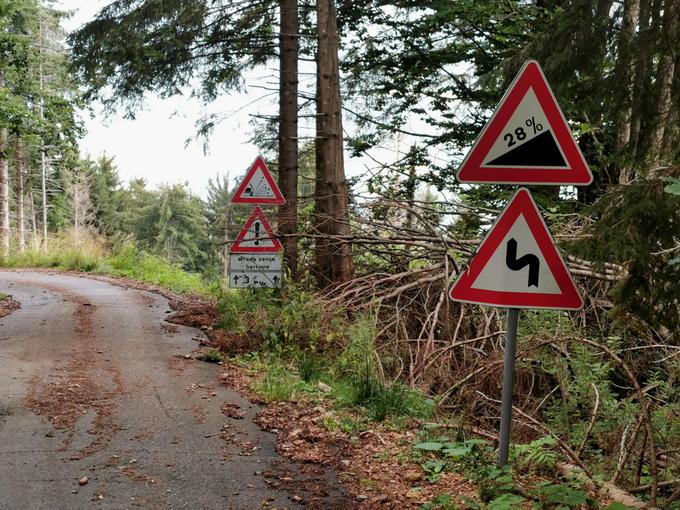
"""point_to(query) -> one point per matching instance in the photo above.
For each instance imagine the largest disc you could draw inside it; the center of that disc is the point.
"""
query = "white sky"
(153, 145)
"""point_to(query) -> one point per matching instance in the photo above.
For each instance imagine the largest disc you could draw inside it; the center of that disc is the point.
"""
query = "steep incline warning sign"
(517, 265)
(257, 236)
(258, 187)
(527, 140)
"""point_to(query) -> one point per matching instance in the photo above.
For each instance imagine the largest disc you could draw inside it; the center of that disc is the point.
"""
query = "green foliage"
(280, 383)
(563, 496)
(92, 256)
(506, 502)
(292, 339)
(311, 367)
(539, 453)
(89, 256)
(134, 47)
(499, 487)
(617, 506)
(673, 187)
(211, 356)
(433, 469)
(133, 263)
(446, 501)
(643, 217)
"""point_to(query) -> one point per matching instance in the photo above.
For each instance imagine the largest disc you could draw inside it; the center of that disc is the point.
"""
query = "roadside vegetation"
(91, 254)
(364, 324)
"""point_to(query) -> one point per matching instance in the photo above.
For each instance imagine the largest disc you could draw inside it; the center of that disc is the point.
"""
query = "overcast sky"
(153, 145)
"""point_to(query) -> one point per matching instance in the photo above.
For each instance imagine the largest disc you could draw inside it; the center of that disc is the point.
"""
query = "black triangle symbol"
(540, 151)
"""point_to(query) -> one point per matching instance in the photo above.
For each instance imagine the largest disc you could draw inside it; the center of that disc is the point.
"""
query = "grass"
(297, 378)
(91, 255)
(139, 265)
(211, 356)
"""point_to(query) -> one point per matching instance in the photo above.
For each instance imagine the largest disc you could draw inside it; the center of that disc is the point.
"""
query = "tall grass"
(92, 255)
(88, 254)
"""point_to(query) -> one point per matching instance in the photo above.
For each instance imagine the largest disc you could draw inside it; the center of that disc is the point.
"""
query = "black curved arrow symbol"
(515, 264)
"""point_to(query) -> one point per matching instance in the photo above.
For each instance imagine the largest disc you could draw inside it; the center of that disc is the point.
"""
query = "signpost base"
(508, 378)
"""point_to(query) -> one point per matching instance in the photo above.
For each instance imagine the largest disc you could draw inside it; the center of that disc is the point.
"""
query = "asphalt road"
(94, 383)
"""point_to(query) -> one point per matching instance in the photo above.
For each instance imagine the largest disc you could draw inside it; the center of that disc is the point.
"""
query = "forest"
(404, 86)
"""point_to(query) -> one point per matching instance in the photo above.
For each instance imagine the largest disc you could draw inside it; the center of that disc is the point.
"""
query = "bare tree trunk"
(665, 73)
(34, 228)
(4, 194)
(76, 210)
(333, 255)
(625, 76)
(288, 132)
(43, 186)
(640, 88)
(670, 133)
(43, 162)
(19, 191)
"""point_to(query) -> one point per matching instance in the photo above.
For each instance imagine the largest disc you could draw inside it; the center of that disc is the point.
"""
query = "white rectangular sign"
(254, 270)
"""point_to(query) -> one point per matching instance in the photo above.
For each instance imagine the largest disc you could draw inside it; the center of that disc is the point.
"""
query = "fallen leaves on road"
(72, 391)
(8, 305)
(233, 411)
(374, 464)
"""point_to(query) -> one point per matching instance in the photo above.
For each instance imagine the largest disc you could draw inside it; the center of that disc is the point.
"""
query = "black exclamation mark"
(257, 233)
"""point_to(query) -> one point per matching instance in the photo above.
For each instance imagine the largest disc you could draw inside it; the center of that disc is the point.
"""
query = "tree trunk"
(19, 191)
(665, 73)
(43, 188)
(288, 132)
(34, 229)
(333, 255)
(625, 76)
(4, 194)
(640, 88)
(43, 162)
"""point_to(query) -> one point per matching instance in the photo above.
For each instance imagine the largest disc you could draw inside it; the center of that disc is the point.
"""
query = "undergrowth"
(303, 347)
(91, 255)
(524, 483)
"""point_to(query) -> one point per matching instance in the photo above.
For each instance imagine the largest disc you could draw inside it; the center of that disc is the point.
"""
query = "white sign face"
(527, 140)
(258, 186)
(254, 270)
(257, 236)
(517, 266)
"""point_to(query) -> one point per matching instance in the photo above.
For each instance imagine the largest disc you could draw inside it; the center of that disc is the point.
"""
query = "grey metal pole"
(508, 378)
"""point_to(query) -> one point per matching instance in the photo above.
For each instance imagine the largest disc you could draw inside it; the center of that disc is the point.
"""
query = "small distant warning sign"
(257, 236)
(258, 187)
(517, 265)
(527, 140)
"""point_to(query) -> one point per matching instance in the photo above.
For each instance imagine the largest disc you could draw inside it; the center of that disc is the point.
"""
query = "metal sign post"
(508, 380)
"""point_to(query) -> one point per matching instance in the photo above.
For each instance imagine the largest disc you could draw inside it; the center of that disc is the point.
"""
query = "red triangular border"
(256, 214)
(239, 198)
(523, 204)
(530, 76)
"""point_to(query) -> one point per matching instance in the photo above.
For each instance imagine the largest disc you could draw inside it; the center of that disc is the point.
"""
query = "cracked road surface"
(94, 383)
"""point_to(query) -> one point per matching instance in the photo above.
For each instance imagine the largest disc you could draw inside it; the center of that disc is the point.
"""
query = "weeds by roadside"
(90, 255)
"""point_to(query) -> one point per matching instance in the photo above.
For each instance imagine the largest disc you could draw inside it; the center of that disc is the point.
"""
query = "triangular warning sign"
(517, 265)
(527, 140)
(257, 236)
(258, 187)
